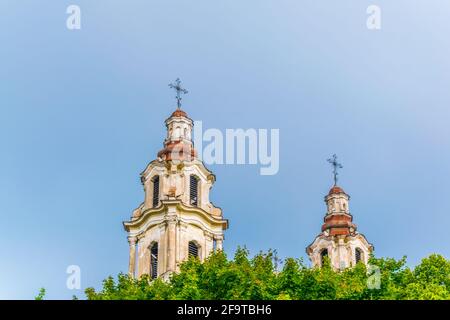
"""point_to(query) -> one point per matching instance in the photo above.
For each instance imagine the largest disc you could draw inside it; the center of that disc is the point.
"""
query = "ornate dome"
(179, 113)
(336, 190)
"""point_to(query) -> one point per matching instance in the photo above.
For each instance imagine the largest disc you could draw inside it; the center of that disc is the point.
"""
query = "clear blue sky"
(81, 114)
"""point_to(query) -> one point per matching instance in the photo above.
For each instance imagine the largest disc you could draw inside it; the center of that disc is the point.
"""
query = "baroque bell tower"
(176, 219)
(339, 240)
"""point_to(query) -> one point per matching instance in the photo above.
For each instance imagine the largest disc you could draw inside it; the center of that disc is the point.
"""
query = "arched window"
(193, 249)
(333, 208)
(323, 254)
(193, 190)
(358, 255)
(155, 199)
(154, 260)
(177, 132)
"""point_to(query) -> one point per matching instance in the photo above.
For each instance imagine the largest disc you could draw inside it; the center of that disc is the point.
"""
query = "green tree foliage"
(40, 295)
(258, 278)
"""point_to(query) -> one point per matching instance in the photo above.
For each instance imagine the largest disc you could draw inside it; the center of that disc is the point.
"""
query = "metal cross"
(177, 87)
(336, 165)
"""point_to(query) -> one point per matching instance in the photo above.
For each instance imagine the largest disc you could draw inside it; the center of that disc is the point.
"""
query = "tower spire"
(179, 90)
(336, 165)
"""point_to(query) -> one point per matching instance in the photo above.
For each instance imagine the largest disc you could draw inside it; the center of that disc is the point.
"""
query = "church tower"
(339, 239)
(176, 219)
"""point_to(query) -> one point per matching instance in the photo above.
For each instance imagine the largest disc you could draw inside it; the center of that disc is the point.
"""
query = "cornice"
(165, 204)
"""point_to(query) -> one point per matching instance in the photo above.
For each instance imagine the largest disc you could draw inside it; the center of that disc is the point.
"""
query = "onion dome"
(179, 113)
(336, 190)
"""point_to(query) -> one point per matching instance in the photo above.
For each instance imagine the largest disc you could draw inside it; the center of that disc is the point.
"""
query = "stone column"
(171, 243)
(219, 243)
(162, 248)
(208, 245)
(342, 260)
(182, 242)
(132, 263)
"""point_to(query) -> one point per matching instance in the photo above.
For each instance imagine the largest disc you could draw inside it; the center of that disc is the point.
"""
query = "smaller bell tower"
(339, 239)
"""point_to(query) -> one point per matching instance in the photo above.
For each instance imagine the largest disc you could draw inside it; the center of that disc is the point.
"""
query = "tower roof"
(179, 113)
(336, 190)
(177, 150)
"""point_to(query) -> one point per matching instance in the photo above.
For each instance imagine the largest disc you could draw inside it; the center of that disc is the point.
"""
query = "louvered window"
(193, 188)
(154, 261)
(358, 255)
(323, 254)
(193, 249)
(155, 191)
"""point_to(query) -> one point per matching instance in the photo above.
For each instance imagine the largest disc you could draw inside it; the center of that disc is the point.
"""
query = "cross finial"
(179, 90)
(336, 165)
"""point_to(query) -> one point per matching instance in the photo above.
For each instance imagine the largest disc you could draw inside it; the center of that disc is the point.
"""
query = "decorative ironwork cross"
(336, 165)
(179, 90)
